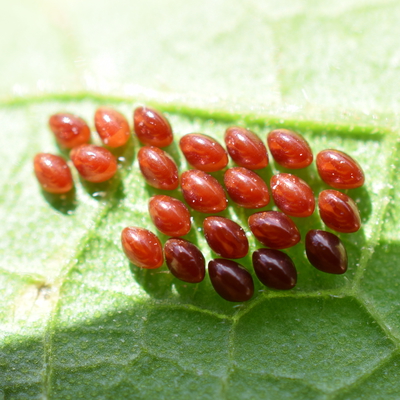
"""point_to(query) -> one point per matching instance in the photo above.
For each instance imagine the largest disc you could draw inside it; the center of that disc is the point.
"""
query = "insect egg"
(70, 130)
(142, 247)
(151, 127)
(112, 126)
(53, 173)
(203, 152)
(230, 280)
(94, 163)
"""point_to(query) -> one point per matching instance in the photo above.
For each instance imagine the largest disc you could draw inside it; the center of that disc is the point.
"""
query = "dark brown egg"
(203, 192)
(94, 163)
(158, 168)
(274, 269)
(142, 247)
(246, 188)
(230, 280)
(338, 211)
(225, 237)
(246, 148)
(151, 127)
(339, 170)
(289, 149)
(53, 173)
(326, 252)
(185, 261)
(274, 229)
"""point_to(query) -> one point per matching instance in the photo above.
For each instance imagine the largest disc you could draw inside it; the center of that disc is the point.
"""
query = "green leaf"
(77, 321)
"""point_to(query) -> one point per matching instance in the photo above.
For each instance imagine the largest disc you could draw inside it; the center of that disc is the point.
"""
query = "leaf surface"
(77, 320)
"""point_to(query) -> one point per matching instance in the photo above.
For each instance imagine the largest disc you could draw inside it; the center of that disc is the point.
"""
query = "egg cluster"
(203, 193)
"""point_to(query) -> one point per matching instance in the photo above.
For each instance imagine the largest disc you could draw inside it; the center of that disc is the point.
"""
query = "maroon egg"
(185, 261)
(225, 237)
(274, 269)
(326, 252)
(230, 280)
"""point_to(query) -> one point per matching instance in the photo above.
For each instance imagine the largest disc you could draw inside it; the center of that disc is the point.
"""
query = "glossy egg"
(53, 173)
(203, 152)
(112, 127)
(230, 280)
(69, 130)
(326, 252)
(246, 148)
(246, 188)
(203, 192)
(225, 237)
(151, 127)
(292, 195)
(142, 247)
(275, 269)
(274, 229)
(185, 261)
(95, 164)
(339, 170)
(338, 211)
(169, 215)
(289, 149)
(158, 168)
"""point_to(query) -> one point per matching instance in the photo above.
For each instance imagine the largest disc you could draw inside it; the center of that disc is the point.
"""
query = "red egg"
(94, 163)
(53, 173)
(289, 149)
(338, 211)
(246, 148)
(203, 192)
(112, 127)
(151, 127)
(70, 130)
(292, 195)
(170, 216)
(142, 247)
(203, 152)
(158, 168)
(274, 229)
(339, 170)
(246, 188)
(225, 237)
